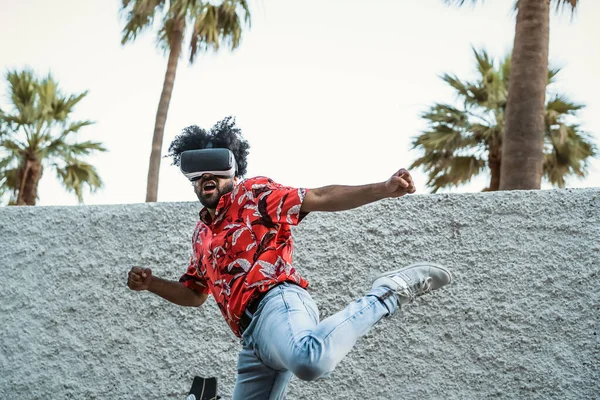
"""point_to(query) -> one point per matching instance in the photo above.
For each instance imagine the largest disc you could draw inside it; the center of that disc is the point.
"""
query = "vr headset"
(195, 163)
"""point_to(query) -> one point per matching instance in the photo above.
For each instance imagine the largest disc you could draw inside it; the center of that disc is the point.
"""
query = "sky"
(326, 92)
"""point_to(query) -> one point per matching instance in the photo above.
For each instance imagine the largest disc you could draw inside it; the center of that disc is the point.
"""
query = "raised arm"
(342, 197)
(175, 292)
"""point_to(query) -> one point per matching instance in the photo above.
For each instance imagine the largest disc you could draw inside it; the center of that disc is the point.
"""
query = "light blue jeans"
(285, 337)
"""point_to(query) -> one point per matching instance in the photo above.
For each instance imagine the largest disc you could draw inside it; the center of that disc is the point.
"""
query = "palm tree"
(210, 25)
(523, 145)
(36, 134)
(463, 142)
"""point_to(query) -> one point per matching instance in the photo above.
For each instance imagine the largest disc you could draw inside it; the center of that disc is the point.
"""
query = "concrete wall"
(521, 320)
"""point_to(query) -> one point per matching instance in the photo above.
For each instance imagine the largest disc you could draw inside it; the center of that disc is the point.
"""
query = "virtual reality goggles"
(195, 163)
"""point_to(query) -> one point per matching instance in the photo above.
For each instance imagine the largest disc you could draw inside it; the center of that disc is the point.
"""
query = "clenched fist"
(400, 183)
(139, 278)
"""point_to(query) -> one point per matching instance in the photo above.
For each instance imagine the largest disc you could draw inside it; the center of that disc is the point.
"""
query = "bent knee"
(310, 371)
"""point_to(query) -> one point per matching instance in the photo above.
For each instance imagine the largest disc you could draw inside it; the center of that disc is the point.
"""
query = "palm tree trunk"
(495, 165)
(30, 179)
(523, 143)
(22, 181)
(163, 109)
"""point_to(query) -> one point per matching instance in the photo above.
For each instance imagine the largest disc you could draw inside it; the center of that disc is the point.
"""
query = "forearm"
(176, 292)
(341, 197)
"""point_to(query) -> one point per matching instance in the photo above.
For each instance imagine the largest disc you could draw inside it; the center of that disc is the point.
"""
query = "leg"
(287, 333)
(256, 381)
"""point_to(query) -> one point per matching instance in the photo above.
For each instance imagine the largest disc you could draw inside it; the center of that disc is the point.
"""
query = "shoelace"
(411, 292)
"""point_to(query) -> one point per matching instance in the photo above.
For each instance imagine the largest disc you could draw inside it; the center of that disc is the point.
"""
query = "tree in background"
(463, 142)
(37, 133)
(209, 25)
(523, 145)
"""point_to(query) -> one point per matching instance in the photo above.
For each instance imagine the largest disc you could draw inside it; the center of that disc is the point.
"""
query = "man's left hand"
(400, 183)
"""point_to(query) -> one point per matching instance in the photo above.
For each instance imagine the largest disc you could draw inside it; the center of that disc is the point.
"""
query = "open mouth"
(209, 187)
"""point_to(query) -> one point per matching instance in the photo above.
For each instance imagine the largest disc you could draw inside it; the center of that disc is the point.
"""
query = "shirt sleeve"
(192, 280)
(277, 203)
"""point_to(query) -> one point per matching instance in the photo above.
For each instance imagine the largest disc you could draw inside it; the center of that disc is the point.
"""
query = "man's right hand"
(139, 278)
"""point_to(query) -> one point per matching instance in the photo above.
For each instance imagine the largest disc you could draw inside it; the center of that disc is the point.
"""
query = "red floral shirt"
(247, 249)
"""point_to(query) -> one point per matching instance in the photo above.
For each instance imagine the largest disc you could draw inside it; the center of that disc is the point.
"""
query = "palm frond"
(569, 151)
(21, 87)
(54, 105)
(562, 105)
(486, 133)
(552, 73)
(75, 126)
(6, 162)
(448, 171)
(10, 178)
(22, 92)
(14, 146)
(505, 70)
(4, 124)
(463, 88)
(139, 15)
(442, 113)
(9, 173)
(484, 61)
(65, 150)
(216, 25)
(561, 4)
(441, 138)
(462, 169)
(76, 175)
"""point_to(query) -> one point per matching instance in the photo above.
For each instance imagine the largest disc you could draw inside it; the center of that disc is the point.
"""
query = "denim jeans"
(285, 337)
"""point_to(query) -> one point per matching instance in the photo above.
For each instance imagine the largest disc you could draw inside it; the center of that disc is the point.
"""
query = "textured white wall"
(521, 320)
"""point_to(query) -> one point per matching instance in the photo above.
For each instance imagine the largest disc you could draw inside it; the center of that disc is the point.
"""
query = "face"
(209, 189)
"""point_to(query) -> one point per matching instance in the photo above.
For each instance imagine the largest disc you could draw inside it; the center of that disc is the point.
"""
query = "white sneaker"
(414, 280)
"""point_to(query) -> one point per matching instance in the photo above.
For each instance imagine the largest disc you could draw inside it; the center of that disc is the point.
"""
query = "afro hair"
(223, 135)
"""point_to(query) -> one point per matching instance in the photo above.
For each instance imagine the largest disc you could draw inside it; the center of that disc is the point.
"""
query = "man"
(242, 255)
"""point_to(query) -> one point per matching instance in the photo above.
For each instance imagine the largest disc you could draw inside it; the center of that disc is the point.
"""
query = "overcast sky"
(325, 91)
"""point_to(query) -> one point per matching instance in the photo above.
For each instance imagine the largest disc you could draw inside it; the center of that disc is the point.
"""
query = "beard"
(212, 200)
